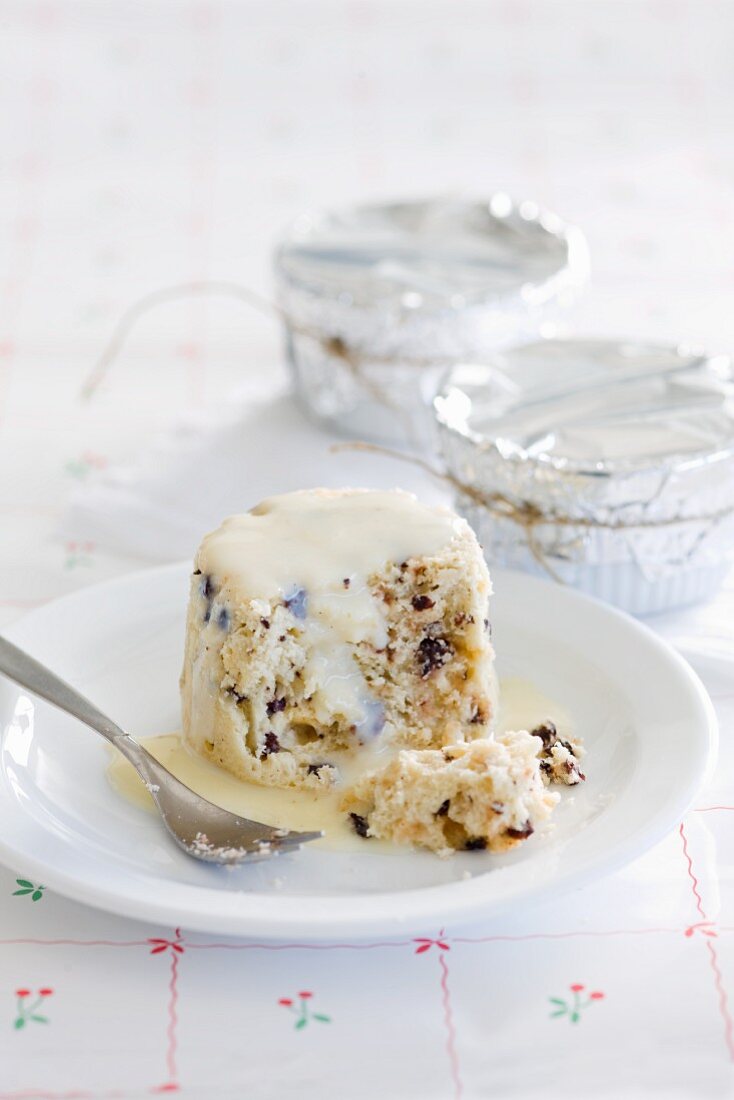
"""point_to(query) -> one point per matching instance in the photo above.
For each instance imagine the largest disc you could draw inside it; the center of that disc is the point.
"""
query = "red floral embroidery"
(425, 944)
(302, 1010)
(705, 927)
(160, 945)
(27, 1011)
(575, 1006)
(78, 553)
(82, 466)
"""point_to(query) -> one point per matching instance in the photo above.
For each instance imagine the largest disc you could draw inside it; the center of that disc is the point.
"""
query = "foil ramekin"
(378, 301)
(606, 465)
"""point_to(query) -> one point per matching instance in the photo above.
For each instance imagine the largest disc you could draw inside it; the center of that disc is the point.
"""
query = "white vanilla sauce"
(307, 539)
(315, 550)
(522, 706)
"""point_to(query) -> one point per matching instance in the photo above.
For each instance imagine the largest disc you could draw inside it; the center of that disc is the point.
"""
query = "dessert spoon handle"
(39, 680)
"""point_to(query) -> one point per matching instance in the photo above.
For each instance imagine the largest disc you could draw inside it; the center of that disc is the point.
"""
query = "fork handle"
(39, 680)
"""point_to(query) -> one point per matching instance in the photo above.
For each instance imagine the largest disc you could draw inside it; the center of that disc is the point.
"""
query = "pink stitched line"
(76, 943)
(450, 1030)
(296, 946)
(172, 1022)
(562, 935)
(35, 1094)
(713, 955)
(176, 948)
(31, 510)
(692, 875)
(723, 1000)
(351, 946)
(24, 603)
(707, 809)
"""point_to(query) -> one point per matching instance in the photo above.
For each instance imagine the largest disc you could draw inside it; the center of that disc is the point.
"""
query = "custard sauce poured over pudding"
(309, 539)
(522, 706)
(330, 633)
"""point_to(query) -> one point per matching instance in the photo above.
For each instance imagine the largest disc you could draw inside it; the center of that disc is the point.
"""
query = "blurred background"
(145, 143)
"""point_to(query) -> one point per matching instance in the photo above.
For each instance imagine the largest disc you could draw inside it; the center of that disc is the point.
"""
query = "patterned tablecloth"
(148, 144)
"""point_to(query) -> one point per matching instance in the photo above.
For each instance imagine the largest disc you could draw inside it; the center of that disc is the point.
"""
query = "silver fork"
(200, 828)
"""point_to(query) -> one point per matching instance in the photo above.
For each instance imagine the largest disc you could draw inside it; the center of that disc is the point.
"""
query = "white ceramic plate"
(648, 725)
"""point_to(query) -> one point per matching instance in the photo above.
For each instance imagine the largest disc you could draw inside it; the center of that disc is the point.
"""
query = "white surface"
(120, 644)
(148, 144)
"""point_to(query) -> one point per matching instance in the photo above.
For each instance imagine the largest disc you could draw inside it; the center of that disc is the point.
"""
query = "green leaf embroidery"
(300, 1023)
(20, 1022)
(324, 1019)
(574, 1008)
(40, 1019)
(28, 887)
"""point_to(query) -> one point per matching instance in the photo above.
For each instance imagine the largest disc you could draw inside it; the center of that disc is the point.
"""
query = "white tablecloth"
(143, 145)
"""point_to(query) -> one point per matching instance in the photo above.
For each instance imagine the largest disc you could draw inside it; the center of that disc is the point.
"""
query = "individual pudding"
(340, 639)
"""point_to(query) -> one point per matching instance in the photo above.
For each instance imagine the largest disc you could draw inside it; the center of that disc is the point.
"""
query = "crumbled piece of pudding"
(559, 758)
(481, 794)
(326, 627)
